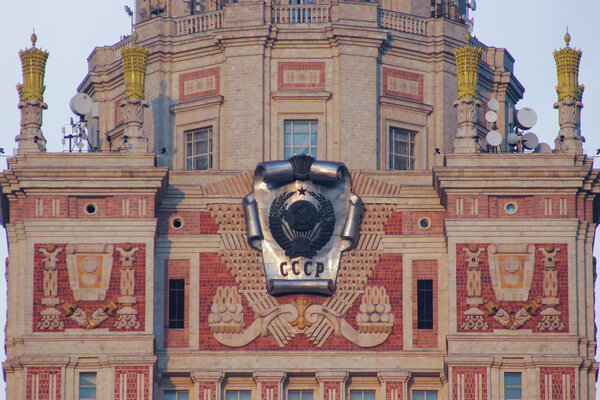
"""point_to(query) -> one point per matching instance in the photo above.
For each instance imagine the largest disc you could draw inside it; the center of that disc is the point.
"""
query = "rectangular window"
(425, 304)
(176, 303)
(198, 153)
(402, 149)
(300, 395)
(362, 395)
(177, 395)
(512, 385)
(87, 385)
(238, 395)
(424, 395)
(299, 137)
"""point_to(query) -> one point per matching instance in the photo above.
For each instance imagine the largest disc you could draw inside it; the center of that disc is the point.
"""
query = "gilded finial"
(134, 36)
(467, 68)
(567, 71)
(135, 59)
(33, 62)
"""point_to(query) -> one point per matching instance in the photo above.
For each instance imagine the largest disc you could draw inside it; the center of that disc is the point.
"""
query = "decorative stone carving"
(89, 319)
(31, 138)
(511, 269)
(127, 316)
(375, 311)
(127, 319)
(50, 319)
(474, 317)
(550, 316)
(89, 267)
(226, 311)
(510, 320)
(133, 115)
(466, 135)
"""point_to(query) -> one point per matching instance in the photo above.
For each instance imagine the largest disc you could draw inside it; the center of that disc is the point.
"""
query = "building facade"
(196, 251)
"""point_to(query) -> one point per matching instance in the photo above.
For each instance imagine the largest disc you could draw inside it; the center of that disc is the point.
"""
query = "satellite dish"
(493, 105)
(526, 118)
(543, 148)
(494, 138)
(491, 116)
(530, 140)
(81, 104)
(512, 138)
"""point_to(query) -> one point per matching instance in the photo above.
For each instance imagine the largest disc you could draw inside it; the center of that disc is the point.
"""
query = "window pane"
(301, 126)
(369, 395)
(512, 393)
(231, 395)
(425, 304)
(431, 395)
(418, 395)
(245, 394)
(201, 147)
(87, 393)
(307, 395)
(183, 396)
(294, 395)
(300, 139)
(313, 139)
(87, 378)
(287, 153)
(170, 395)
(355, 395)
(512, 379)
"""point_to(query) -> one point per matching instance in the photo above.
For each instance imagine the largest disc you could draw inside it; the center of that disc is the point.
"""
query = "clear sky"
(70, 29)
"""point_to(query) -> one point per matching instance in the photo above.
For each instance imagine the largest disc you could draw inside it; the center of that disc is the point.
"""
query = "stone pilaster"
(207, 384)
(332, 384)
(269, 384)
(394, 384)
(465, 141)
(134, 140)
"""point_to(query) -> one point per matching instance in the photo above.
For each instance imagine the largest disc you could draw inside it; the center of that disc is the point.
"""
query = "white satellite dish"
(512, 138)
(493, 105)
(530, 140)
(494, 138)
(81, 104)
(543, 148)
(491, 116)
(526, 117)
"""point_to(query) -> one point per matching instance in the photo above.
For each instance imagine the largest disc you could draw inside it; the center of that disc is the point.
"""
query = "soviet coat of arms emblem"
(302, 215)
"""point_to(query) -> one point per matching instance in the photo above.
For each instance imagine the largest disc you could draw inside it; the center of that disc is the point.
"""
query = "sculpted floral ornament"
(550, 315)
(89, 319)
(50, 316)
(127, 315)
(474, 317)
(375, 320)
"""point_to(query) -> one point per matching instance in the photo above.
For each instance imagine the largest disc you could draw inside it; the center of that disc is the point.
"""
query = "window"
(176, 303)
(198, 154)
(362, 395)
(512, 385)
(300, 395)
(425, 304)
(402, 149)
(238, 395)
(424, 395)
(177, 395)
(300, 137)
(87, 385)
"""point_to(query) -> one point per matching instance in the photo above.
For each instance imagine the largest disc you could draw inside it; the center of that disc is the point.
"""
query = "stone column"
(332, 384)
(269, 384)
(135, 60)
(207, 384)
(569, 139)
(31, 100)
(467, 70)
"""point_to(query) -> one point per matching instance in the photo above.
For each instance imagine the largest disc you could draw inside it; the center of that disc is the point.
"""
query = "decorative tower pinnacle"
(569, 103)
(31, 99)
(135, 60)
(467, 69)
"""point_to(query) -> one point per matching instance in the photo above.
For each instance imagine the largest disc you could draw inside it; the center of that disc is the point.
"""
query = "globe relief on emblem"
(302, 215)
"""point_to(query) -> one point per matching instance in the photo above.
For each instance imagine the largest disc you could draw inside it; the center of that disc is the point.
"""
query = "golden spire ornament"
(135, 59)
(33, 62)
(467, 68)
(567, 71)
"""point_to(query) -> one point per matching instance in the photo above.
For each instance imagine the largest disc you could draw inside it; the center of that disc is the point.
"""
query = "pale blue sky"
(69, 29)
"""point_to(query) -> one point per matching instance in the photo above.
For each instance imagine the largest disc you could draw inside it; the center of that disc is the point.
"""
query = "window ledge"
(195, 104)
(408, 105)
(302, 95)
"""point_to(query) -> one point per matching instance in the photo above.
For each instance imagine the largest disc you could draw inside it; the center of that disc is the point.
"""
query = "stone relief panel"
(237, 312)
(508, 286)
(89, 286)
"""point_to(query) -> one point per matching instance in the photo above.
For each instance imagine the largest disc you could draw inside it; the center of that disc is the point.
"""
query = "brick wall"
(132, 383)
(194, 223)
(43, 383)
(469, 383)
(557, 383)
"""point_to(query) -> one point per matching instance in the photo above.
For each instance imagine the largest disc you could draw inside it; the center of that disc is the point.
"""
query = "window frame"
(425, 392)
(411, 156)
(504, 386)
(209, 153)
(177, 392)
(310, 132)
(95, 386)
(423, 309)
(176, 321)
